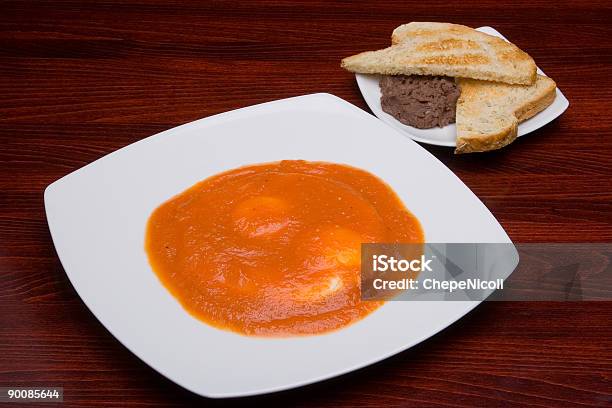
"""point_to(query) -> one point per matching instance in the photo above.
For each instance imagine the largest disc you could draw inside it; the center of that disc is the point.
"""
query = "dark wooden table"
(79, 80)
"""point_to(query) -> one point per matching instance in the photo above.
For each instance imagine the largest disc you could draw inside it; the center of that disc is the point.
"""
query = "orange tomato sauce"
(274, 249)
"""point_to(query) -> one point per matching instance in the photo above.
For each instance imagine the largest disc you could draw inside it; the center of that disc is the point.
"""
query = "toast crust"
(492, 141)
(534, 107)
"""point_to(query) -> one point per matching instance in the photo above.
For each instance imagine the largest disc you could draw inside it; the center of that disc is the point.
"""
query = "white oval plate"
(446, 136)
(97, 217)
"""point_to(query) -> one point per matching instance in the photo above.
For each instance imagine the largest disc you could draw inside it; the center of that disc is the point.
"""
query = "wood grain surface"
(81, 79)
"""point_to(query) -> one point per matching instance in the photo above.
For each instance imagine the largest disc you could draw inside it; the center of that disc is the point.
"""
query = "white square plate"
(97, 217)
(446, 136)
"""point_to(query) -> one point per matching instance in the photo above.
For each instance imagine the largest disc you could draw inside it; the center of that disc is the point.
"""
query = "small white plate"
(446, 136)
(97, 217)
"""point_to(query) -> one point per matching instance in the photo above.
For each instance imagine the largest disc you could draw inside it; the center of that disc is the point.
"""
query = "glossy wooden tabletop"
(79, 80)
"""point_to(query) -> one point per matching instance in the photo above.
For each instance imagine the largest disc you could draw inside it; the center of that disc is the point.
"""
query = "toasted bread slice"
(488, 113)
(449, 50)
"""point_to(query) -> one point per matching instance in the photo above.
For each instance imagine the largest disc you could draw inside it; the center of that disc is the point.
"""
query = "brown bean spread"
(420, 101)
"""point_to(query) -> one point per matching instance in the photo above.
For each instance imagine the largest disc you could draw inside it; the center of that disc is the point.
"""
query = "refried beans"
(420, 101)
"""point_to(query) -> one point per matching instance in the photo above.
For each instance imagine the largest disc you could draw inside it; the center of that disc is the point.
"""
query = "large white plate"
(97, 218)
(446, 136)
